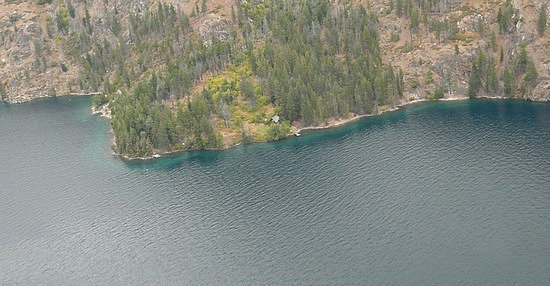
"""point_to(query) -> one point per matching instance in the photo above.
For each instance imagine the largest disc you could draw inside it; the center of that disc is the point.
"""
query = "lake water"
(435, 194)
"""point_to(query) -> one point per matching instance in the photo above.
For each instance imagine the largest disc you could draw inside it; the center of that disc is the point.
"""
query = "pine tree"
(531, 75)
(71, 9)
(474, 81)
(523, 59)
(3, 93)
(415, 19)
(233, 17)
(204, 8)
(399, 8)
(508, 79)
(541, 23)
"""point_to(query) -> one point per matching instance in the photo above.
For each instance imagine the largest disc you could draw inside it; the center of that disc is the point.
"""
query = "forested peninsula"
(209, 74)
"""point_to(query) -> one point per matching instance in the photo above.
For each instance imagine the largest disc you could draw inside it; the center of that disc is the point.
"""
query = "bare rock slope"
(436, 53)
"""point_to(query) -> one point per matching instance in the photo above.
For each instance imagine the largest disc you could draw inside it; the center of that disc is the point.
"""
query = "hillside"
(211, 73)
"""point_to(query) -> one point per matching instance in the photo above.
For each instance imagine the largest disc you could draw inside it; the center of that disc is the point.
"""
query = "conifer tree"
(474, 81)
(508, 79)
(541, 22)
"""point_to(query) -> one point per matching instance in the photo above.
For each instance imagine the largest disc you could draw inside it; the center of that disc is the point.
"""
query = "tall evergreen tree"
(541, 22)
(508, 79)
(474, 81)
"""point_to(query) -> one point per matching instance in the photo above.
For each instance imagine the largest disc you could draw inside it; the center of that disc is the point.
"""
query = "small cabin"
(276, 119)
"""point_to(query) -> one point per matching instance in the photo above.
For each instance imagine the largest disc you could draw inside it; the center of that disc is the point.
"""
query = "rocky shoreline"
(20, 100)
(337, 123)
(105, 112)
(342, 122)
(102, 111)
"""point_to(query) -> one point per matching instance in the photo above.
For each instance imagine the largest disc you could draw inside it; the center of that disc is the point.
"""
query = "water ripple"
(444, 193)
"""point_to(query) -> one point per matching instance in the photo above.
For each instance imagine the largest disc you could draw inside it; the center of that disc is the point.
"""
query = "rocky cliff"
(434, 47)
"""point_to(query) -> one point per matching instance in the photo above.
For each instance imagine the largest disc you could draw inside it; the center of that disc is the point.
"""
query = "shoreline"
(338, 123)
(343, 122)
(103, 111)
(398, 107)
(47, 97)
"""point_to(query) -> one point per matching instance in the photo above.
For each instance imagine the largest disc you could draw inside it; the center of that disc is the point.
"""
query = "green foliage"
(395, 37)
(99, 100)
(541, 20)
(3, 93)
(522, 61)
(428, 78)
(300, 73)
(70, 9)
(309, 60)
(492, 41)
(197, 129)
(414, 83)
(531, 75)
(504, 17)
(141, 125)
(263, 101)
(523, 66)
(482, 75)
(415, 19)
(474, 80)
(245, 139)
(442, 29)
(439, 92)
(86, 20)
(62, 18)
(52, 92)
(399, 8)
(247, 91)
(480, 26)
(490, 76)
(277, 131)
(508, 79)
(204, 8)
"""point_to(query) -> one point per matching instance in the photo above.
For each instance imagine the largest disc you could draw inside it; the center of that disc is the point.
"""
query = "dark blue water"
(436, 194)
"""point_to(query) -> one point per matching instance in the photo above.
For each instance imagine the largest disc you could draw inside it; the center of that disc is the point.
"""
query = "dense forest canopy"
(306, 61)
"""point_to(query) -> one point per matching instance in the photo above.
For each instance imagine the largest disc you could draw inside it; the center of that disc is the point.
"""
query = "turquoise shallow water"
(436, 194)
